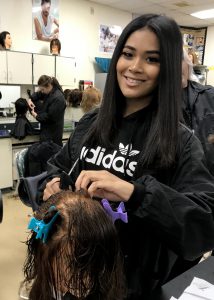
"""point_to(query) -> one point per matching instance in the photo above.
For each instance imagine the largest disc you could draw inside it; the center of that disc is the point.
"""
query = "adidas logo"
(120, 161)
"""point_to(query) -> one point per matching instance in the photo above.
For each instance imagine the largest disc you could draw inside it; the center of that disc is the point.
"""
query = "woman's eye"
(153, 59)
(126, 54)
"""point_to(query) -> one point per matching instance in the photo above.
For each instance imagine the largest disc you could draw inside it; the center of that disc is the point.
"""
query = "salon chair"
(27, 186)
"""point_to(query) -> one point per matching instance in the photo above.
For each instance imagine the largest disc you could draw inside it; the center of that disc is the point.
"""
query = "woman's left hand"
(33, 113)
(103, 184)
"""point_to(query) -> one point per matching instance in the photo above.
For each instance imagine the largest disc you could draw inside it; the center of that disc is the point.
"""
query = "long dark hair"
(45, 80)
(82, 253)
(3, 35)
(162, 140)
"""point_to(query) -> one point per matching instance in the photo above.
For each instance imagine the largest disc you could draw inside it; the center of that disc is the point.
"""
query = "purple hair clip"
(115, 215)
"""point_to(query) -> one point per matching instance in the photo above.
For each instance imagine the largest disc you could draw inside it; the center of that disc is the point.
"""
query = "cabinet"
(19, 66)
(65, 70)
(43, 65)
(6, 163)
(3, 67)
(25, 68)
(15, 67)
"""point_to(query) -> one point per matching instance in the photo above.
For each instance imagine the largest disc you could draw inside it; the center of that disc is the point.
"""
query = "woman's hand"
(51, 188)
(33, 113)
(103, 184)
(30, 104)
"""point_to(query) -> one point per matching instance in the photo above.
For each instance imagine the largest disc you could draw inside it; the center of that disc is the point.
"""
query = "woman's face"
(138, 67)
(46, 90)
(8, 41)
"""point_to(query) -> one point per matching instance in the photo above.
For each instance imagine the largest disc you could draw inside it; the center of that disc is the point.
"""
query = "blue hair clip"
(40, 227)
(115, 215)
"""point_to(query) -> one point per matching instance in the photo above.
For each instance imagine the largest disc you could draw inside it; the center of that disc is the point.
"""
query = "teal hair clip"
(40, 227)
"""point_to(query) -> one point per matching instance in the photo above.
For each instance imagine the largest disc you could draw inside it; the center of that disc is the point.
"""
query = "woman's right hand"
(52, 187)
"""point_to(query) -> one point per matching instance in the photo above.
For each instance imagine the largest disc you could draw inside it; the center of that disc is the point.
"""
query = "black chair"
(28, 188)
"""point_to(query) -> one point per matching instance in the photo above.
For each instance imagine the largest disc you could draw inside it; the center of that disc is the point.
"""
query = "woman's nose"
(136, 66)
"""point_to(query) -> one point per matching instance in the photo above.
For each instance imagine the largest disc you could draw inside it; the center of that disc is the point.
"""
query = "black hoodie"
(170, 213)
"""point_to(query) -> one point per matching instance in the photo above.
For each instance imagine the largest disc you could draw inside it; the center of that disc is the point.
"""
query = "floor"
(13, 232)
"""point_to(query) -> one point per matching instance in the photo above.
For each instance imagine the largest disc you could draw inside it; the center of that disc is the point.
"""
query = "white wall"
(209, 54)
(79, 29)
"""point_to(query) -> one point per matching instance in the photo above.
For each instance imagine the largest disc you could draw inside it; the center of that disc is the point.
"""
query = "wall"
(79, 29)
(208, 57)
(79, 25)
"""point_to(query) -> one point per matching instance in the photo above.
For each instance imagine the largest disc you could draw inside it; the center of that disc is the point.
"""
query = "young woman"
(79, 258)
(134, 149)
(48, 107)
(5, 40)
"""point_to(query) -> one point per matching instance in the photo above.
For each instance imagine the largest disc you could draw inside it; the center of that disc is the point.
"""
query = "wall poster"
(108, 37)
(194, 40)
(45, 19)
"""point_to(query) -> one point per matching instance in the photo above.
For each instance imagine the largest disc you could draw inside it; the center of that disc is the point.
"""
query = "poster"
(108, 37)
(45, 19)
(194, 40)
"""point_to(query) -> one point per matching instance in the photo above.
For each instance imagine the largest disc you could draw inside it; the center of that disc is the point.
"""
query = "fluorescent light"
(204, 14)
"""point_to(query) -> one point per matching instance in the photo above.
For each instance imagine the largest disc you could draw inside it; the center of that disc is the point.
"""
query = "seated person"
(91, 98)
(5, 40)
(75, 256)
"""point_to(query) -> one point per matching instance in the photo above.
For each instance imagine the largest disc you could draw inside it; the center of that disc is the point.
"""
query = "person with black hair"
(5, 40)
(22, 126)
(73, 251)
(135, 149)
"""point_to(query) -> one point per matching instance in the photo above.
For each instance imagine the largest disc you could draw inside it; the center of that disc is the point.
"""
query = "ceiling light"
(204, 14)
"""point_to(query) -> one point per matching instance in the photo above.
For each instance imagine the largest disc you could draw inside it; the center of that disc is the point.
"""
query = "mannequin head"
(55, 47)
(5, 40)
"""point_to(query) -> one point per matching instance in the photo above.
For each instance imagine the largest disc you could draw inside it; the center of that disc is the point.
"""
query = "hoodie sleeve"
(183, 213)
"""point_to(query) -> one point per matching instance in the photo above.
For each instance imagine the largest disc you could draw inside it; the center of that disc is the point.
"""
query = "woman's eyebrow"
(148, 51)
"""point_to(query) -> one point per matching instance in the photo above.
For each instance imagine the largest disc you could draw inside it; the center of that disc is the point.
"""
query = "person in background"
(44, 21)
(91, 98)
(5, 40)
(55, 47)
(74, 111)
(134, 149)
(198, 109)
(80, 258)
(48, 107)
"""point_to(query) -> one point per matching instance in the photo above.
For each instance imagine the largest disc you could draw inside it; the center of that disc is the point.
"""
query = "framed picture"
(194, 40)
(108, 37)
(45, 19)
